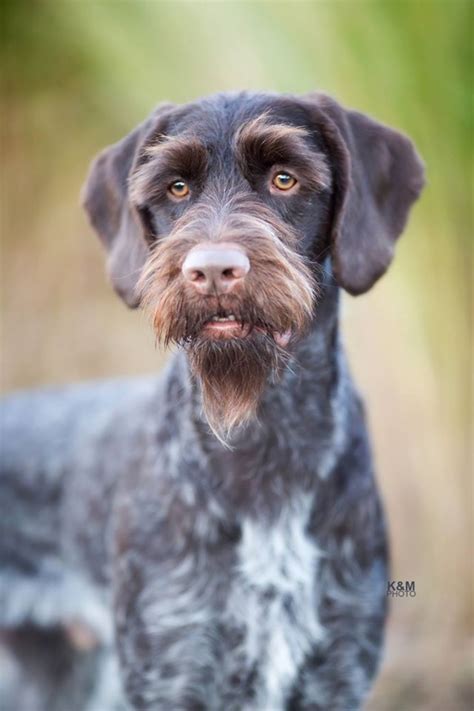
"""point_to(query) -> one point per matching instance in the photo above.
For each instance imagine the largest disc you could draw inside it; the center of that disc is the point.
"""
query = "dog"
(215, 532)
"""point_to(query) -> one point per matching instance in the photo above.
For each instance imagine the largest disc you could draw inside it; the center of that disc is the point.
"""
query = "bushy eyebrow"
(172, 157)
(261, 143)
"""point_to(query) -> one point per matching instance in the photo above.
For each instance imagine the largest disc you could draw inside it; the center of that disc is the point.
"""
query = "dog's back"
(55, 498)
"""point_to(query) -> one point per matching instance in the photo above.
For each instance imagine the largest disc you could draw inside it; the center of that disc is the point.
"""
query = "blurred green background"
(79, 74)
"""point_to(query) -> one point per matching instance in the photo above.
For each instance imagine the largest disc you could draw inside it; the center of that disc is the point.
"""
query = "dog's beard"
(233, 374)
(271, 310)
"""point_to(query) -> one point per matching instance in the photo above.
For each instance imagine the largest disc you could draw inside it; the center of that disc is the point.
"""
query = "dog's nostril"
(215, 268)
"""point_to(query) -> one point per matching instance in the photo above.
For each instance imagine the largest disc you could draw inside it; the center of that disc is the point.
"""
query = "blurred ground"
(79, 75)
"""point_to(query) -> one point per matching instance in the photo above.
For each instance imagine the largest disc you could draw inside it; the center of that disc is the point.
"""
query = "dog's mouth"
(226, 324)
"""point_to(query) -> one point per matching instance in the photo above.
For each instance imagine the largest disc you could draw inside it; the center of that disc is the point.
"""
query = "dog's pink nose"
(215, 268)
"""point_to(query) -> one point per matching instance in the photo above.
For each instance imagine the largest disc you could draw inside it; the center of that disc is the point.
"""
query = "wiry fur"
(245, 577)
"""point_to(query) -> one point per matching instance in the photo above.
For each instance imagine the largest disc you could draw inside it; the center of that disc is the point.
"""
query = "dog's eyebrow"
(171, 157)
(262, 128)
(183, 153)
(262, 143)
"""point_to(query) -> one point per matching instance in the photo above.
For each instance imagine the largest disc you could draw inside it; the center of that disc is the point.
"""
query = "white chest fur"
(277, 600)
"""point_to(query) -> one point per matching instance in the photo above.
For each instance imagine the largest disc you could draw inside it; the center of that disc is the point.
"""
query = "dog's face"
(218, 214)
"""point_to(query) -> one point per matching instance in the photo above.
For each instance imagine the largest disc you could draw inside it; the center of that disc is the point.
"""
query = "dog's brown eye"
(179, 189)
(284, 181)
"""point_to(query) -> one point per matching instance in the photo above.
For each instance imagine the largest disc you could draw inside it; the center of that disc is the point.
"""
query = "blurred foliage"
(78, 74)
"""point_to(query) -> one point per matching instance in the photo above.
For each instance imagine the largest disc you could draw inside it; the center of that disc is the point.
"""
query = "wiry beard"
(233, 374)
(273, 305)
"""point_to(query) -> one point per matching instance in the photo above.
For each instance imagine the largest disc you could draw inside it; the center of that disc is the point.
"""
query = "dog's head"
(218, 214)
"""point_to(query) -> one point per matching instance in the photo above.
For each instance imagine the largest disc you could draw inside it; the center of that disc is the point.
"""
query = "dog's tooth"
(223, 319)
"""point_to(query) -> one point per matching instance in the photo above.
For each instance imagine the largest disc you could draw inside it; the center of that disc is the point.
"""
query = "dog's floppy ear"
(105, 197)
(377, 177)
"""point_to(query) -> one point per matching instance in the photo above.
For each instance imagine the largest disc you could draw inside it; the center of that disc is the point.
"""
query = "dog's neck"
(301, 432)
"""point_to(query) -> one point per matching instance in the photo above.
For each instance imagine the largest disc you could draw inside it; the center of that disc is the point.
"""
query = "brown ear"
(377, 177)
(105, 198)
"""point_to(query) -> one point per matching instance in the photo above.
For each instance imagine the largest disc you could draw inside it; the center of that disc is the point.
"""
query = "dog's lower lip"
(224, 327)
(237, 329)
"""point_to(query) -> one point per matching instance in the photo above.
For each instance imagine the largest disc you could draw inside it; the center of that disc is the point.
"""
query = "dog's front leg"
(164, 637)
(167, 588)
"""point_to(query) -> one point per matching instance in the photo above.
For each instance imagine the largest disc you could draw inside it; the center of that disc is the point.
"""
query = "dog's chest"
(274, 602)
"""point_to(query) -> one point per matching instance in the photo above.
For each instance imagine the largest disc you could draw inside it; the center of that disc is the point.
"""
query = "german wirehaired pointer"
(216, 531)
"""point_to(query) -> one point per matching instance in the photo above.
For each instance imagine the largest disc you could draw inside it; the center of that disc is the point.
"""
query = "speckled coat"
(245, 577)
(248, 578)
